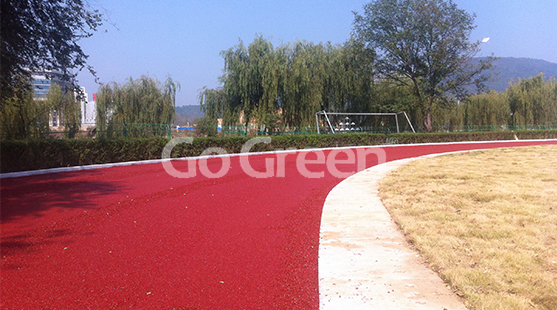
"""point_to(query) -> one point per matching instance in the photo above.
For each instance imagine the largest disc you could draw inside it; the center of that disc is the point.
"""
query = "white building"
(88, 110)
(42, 81)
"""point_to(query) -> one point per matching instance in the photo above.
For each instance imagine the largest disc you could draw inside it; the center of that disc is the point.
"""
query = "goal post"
(350, 125)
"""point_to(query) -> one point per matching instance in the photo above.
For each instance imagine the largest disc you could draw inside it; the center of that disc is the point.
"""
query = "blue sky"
(183, 39)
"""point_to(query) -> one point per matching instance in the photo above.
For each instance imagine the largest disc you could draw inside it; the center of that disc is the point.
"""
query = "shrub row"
(42, 154)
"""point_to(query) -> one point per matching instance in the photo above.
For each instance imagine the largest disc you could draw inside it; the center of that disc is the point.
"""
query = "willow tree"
(354, 73)
(490, 108)
(144, 101)
(303, 94)
(287, 85)
(66, 107)
(22, 115)
(424, 45)
(251, 83)
(26, 116)
(213, 103)
(533, 101)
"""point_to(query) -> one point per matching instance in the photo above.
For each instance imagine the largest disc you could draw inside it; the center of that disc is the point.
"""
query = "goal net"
(332, 122)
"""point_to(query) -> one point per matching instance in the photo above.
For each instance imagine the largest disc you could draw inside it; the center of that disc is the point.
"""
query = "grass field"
(486, 221)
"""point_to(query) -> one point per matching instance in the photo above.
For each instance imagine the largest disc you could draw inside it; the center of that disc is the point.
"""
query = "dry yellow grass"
(486, 221)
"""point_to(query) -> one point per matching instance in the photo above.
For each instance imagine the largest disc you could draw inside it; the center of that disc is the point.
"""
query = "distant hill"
(189, 111)
(511, 69)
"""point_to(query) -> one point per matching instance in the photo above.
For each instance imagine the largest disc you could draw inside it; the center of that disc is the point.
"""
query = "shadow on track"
(32, 196)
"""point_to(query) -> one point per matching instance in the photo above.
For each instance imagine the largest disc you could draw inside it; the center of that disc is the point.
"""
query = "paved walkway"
(365, 261)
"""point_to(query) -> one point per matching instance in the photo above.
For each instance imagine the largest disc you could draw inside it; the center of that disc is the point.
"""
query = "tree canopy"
(285, 86)
(42, 35)
(422, 44)
(28, 117)
(403, 55)
(141, 101)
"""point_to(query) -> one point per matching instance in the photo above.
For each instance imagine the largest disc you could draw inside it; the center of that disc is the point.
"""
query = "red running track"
(135, 237)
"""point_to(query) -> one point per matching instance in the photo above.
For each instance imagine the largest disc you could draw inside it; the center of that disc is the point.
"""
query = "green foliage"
(528, 103)
(533, 101)
(489, 108)
(138, 102)
(207, 126)
(406, 55)
(25, 117)
(423, 45)
(266, 87)
(33, 154)
(22, 116)
(42, 35)
(213, 104)
(66, 107)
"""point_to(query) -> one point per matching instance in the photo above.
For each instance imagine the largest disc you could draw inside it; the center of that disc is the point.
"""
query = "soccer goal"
(333, 122)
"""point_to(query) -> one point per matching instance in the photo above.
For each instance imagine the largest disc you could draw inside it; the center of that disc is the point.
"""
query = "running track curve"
(135, 237)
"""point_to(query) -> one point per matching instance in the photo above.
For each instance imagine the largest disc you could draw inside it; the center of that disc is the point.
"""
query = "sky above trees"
(183, 39)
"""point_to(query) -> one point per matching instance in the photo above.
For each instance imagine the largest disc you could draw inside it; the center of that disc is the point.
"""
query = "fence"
(71, 131)
(134, 130)
(471, 128)
(138, 130)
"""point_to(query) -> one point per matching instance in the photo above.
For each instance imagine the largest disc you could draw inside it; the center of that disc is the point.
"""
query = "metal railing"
(140, 130)
(234, 131)
(471, 128)
(71, 131)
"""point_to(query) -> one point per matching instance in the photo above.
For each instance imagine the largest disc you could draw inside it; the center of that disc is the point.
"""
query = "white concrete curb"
(364, 260)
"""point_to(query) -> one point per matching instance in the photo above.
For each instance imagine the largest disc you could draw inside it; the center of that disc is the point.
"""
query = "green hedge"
(42, 154)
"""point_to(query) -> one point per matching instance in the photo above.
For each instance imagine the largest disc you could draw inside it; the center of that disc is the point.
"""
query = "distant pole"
(317, 122)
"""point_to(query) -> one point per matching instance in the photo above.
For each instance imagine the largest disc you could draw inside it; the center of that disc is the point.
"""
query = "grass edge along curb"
(36, 154)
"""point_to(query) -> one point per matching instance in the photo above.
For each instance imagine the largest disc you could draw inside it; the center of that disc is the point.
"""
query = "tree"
(533, 101)
(25, 117)
(423, 44)
(42, 35)
(22, 116)
(303, 92)
(351, 75)
(207, 126)
(252, 82)
(489, 108)
(67, 108)
(138, 103)
(285, 86)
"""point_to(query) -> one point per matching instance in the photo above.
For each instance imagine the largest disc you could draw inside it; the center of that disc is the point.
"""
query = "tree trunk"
(427, 120)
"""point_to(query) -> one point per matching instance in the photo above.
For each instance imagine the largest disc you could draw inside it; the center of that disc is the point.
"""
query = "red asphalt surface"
(135, 237)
